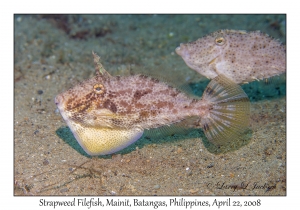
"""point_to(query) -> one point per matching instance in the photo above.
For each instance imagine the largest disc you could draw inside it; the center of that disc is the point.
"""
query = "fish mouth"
(59, 100)
(181, 50)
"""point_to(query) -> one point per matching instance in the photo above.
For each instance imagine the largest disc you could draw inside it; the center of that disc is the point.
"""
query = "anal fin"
(180, 128)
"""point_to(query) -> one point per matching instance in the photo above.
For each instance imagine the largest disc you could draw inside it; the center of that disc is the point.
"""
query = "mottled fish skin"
(106, 113)
(239, 55)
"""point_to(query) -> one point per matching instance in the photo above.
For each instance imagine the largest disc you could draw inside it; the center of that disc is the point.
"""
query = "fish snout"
(182, 50)
(179, 50)
(58, 100)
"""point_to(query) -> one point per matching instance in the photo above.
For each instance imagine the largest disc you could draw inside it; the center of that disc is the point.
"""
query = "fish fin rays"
(99, 69)
(183, 127)
(228, 119)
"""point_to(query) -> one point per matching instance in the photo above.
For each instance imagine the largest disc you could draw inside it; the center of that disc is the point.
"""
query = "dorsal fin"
(185, 87)
(99, 69)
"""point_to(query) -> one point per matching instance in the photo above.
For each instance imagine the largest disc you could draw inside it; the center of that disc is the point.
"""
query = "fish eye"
(220, 40)
(98, 88)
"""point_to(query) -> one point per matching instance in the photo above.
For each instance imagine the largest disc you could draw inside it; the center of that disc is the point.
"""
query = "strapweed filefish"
(107, 113)
(239, 55)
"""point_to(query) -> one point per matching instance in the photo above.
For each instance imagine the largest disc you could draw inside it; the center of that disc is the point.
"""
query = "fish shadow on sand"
(67, 136)
(231, 146)
(151, 138)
